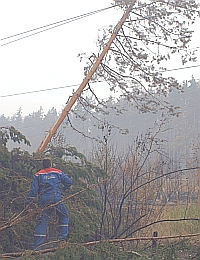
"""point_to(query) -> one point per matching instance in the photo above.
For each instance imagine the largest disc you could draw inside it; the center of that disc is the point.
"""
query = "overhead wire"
(56, 25)
(40, 90)
(189, 67)
(51, 26)
(75, 85)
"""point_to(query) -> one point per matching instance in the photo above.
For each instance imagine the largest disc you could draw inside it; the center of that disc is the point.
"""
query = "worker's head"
(46, 163)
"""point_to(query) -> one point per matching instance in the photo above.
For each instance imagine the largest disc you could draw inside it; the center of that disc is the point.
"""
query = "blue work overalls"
(46, 185)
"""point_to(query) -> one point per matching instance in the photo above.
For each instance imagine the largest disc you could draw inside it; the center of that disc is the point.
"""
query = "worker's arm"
(66, 181)
(33, 191)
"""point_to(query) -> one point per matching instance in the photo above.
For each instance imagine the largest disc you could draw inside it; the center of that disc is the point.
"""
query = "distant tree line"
(120, 123)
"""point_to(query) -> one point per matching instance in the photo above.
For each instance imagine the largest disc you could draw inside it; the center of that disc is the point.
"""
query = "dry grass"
(172, 212)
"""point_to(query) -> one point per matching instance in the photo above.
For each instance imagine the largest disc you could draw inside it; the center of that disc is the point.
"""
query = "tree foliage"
(16, 172)
(7, 133)
(155, 33)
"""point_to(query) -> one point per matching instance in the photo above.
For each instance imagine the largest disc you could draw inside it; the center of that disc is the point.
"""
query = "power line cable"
(35, 91)
(52, 25)
(189, 67)
(75, 85)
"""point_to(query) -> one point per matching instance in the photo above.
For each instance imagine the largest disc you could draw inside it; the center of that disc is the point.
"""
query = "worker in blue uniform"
(46, 187)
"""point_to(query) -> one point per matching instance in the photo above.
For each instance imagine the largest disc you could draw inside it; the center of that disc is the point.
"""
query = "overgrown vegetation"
(113, 199)
(118, 200)
(16, 172)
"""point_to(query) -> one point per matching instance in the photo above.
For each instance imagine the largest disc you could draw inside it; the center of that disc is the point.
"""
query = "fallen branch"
(118, 240)
(28, 252)
(19, 218)
(51, 250)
